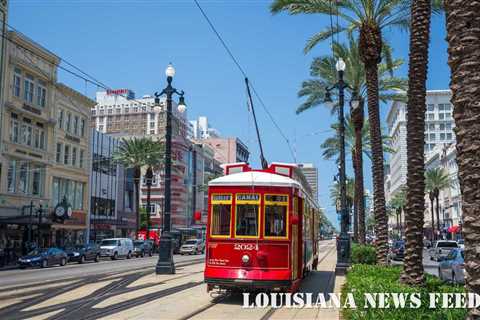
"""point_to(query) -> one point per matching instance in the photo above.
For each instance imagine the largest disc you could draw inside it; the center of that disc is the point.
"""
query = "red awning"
(454, 229)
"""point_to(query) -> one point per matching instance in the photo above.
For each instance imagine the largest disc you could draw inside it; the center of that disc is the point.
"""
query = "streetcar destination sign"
(248, 197)
(221, 197)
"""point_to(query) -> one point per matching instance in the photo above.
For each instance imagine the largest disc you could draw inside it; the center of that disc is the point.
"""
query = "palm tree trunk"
(355, 199)
(413, 273)
(433, 219)
(463, 37)
(370, 48)
(438, 214)
(357, 117)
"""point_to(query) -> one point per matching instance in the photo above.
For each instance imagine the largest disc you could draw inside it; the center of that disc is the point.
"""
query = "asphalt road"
(18, 277)
(429, 265)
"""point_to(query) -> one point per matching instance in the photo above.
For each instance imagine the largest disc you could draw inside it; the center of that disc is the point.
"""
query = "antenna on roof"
(262, 158)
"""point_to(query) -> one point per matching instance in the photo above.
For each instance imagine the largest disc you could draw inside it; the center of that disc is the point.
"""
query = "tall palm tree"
(134, 154)
(368, 19)
(464, 60)
(324, 75)
(398, 203)
(436, 180)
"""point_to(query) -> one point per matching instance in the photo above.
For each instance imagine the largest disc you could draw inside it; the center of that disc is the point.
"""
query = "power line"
(242, 71)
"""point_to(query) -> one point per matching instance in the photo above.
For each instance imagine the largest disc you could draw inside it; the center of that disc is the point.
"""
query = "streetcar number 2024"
(245, 246)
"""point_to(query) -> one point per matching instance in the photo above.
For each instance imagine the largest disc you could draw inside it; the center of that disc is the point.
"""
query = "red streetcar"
(262, 230)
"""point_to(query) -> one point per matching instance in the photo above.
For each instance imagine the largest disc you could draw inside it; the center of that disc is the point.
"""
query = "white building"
(439, 126)
(202, 130)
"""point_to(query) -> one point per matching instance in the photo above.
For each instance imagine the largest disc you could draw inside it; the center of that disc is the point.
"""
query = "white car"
(116, 247)
(192, 246)
(442, 248)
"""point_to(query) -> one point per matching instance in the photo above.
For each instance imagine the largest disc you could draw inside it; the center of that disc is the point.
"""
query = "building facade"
(228, 150)
(33, 176)
(439, 126)
(311, 174)
(112, 202)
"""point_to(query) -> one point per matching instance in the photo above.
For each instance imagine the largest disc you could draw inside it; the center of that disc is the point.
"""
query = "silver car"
(192, 246)
(452, 268)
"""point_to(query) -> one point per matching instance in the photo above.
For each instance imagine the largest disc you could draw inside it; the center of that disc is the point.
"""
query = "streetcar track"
(215, 301)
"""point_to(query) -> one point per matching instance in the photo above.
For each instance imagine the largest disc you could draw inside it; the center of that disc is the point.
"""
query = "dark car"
(397, 251)
(43, 258)
(82, 253)
(142, 248)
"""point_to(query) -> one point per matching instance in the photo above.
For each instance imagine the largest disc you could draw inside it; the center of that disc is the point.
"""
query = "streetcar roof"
(254, 178)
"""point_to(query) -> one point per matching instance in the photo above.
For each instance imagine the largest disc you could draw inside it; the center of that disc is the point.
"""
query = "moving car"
(142, 247)
(397, 251)
(43, 258)
(452, 268)
(116, 247)
(442, 248)
(82, 253)
(192, 246)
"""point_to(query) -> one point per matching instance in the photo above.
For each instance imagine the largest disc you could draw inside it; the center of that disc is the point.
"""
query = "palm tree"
(464, 48)
(368, 18)
(397, 203)
(436, 180)
(350, 194)
(324, 75)
(134, 154)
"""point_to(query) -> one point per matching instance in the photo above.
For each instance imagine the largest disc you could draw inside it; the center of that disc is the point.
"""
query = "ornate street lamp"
(165, 264)
(343, 244)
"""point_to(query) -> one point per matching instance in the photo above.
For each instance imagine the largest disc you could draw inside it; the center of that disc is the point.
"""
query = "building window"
(430, 107)
(449, 126)
(449, 136)
(14, 129)
(59, 152)
(448, 107)
(152, 124)
(82, 128)
(94, 112)
(442, 136)
(80, 161)
(17, 78)
(66, 155)
(12, 175)
(41, 94)
(36, 182)
(110, 111)
(100, 128)
(431, 116)
(441, 116)
(442, 126)
(448, 115)
(23, 178)
(118, 111)
(74, 156)
(432, 136)
(441, 107)
(152, 131)
(68, 123)
(431, 126)
(73, 191)
(75, 125)
(29, 85)
(60, 118)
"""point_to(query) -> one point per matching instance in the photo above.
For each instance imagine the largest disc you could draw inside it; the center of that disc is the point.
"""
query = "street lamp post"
(165, 264)
(148, 181)
(343, 244)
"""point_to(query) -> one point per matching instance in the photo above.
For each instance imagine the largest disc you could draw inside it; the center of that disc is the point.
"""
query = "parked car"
(397, 251)
(82, 253)
(442, 248)
(116, 247)
(461, 244)
(43, 258)
(192, 246)
(142, 247)
(452, 268)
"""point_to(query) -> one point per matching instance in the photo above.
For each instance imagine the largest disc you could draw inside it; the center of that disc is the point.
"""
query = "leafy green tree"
(436, 179)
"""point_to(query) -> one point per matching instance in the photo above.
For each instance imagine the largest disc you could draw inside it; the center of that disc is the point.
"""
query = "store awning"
(454, 229)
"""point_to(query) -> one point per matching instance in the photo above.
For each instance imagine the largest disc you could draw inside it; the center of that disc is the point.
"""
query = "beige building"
(228, 150)
(29, 170)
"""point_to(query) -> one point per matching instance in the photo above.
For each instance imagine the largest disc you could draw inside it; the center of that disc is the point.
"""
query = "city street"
(429, 265)
(130, 289)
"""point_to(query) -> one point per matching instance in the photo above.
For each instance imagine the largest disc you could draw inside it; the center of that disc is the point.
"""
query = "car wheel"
(129, 255)
(115, 256)
(44, 263)
(143, 254)
(150, 253)
(82, 259)
(22, 267)
(63, 262)
(97, 258)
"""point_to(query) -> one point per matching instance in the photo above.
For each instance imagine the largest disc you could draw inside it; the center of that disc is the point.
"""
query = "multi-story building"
(311, 174)
(34, 176)
(118, 113)
(450, 199)
(112, 202)
(202, 130)
(228, 150)
(439, 126)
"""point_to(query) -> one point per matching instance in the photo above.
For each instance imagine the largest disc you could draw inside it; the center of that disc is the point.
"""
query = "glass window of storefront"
(72, 190)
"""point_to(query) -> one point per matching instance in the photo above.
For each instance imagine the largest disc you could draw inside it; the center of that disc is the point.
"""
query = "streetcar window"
(221, 219)
(247, 220)
(275, 221)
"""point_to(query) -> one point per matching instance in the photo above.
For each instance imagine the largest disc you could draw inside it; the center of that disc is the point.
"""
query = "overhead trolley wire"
(242, 71)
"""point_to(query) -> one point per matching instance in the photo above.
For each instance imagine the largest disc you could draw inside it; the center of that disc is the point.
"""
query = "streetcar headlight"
(245, 258)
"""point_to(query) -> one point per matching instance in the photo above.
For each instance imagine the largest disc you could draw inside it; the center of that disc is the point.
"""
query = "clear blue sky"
(127, 44)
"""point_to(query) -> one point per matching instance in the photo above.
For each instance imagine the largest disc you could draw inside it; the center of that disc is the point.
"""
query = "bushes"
(364, 254)
(363, 279)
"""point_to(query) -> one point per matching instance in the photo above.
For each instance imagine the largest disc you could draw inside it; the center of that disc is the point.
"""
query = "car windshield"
(109, 242)
(447, 244)
(37, 252)
(191, 242)
(137, 243)
(399, 244)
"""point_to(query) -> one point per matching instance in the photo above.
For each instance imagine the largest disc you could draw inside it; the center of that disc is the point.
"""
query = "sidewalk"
(321, 281)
